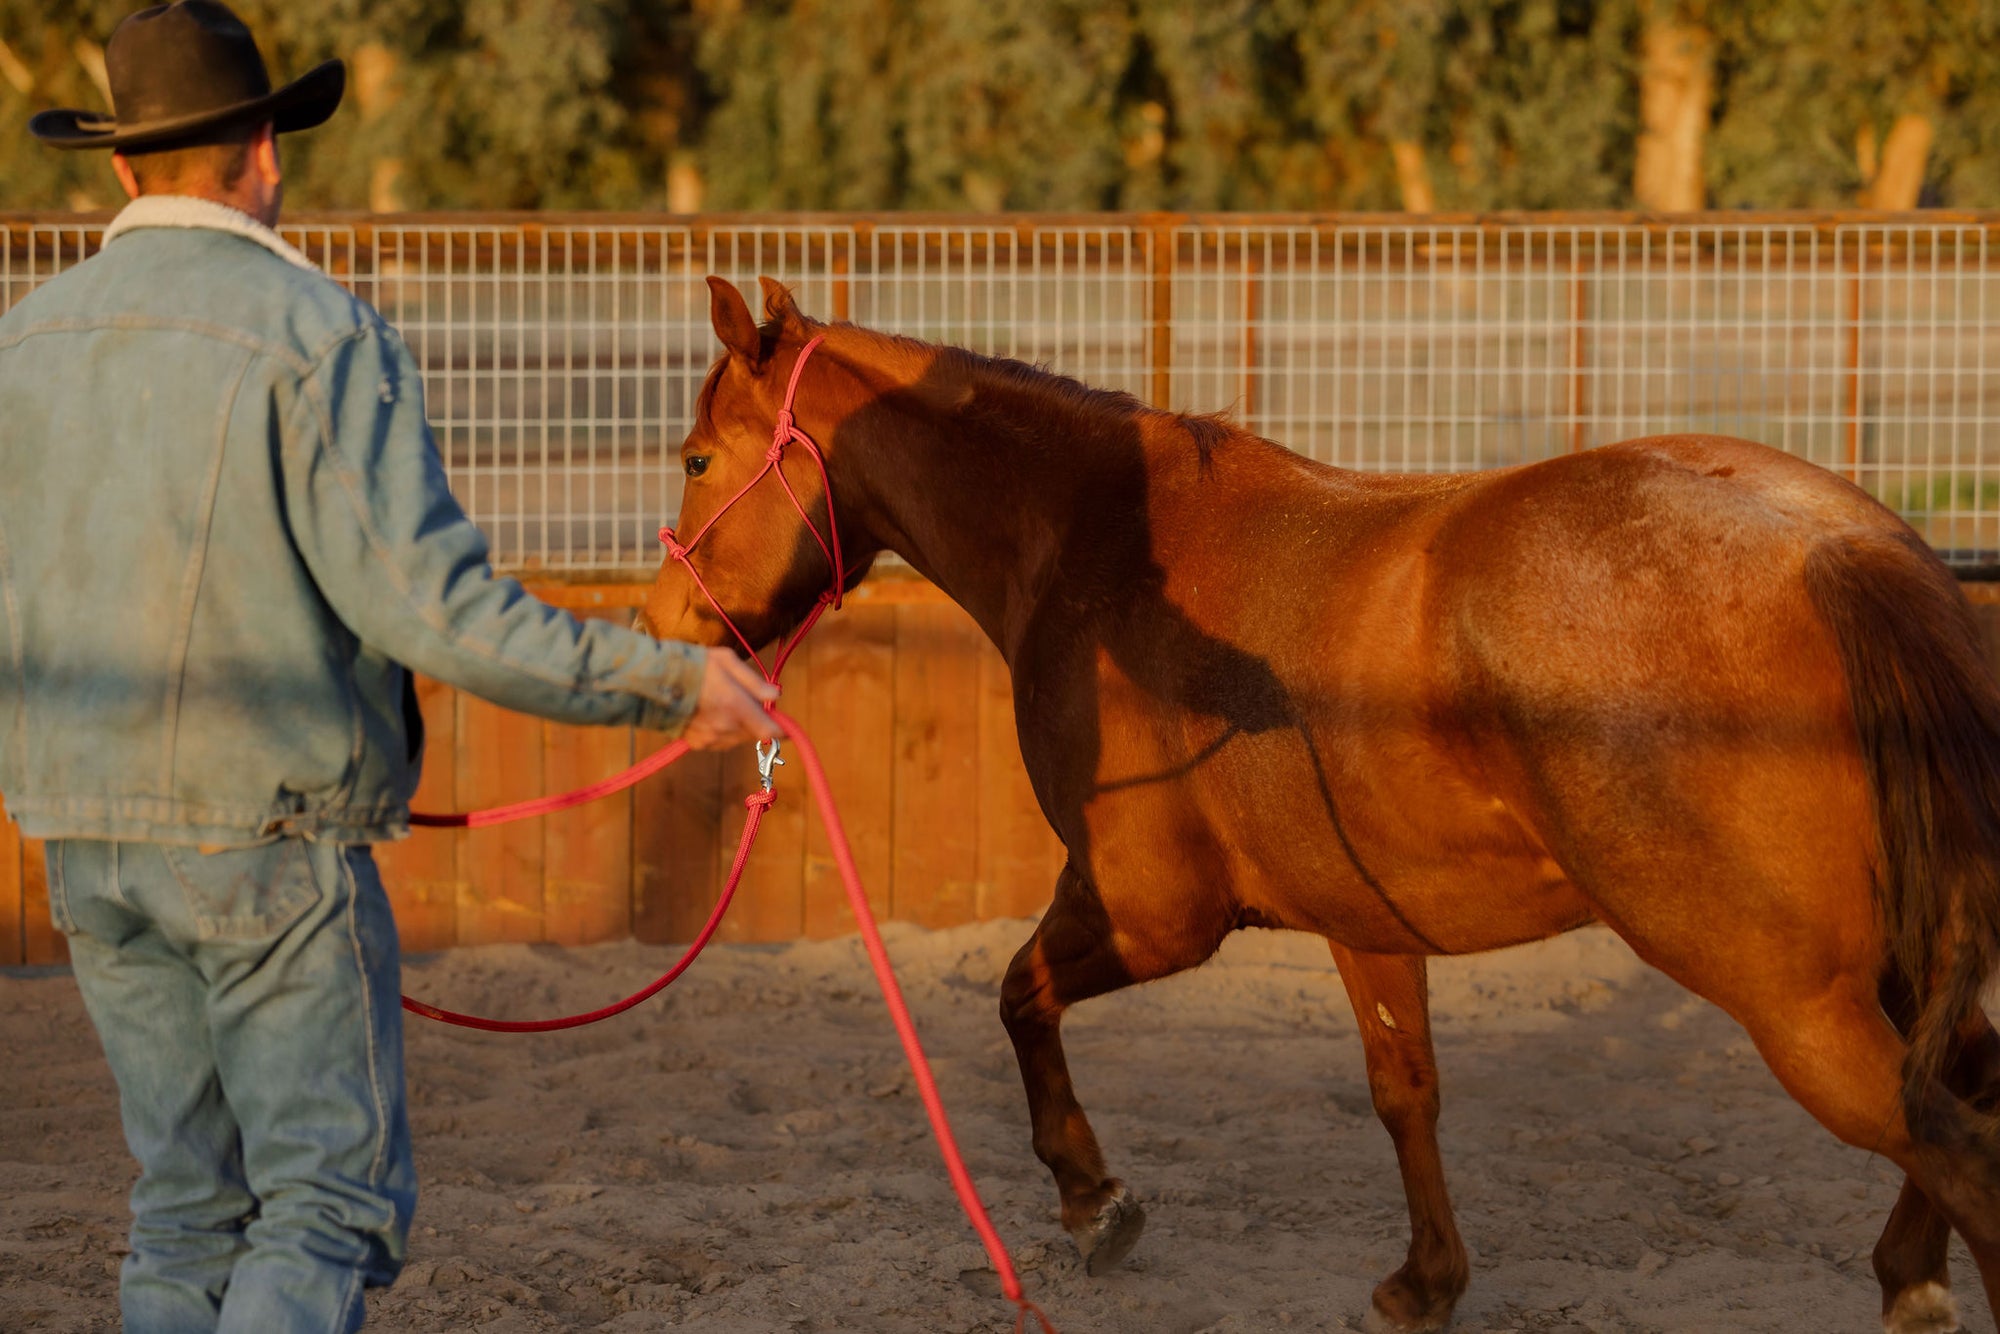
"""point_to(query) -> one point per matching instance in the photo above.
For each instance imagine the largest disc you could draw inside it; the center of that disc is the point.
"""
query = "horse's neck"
(984, 497)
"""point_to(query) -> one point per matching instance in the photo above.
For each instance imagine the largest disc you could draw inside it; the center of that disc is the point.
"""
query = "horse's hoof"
(1398, 1307)
(1925, 1309)
(1379, 1322)
(1111, 1233)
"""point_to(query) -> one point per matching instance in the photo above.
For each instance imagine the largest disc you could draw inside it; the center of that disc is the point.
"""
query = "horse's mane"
(1205, 431)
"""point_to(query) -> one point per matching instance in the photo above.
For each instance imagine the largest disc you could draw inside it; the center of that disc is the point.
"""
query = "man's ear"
(779, 306)
(264, 155)
(121, 167)
(730, 314)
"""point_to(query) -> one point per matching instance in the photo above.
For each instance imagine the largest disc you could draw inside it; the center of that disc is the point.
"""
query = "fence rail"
(562, 354)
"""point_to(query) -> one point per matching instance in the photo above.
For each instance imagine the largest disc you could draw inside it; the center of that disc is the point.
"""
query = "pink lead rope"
(785, 433)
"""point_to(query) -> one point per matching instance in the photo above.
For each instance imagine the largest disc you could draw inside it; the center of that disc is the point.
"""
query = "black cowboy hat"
(180, 71)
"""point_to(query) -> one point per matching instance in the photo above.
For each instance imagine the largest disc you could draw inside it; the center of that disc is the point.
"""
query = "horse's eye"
(696, 464)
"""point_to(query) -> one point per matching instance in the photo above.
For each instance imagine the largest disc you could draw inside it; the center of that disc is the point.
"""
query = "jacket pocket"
(245, 894)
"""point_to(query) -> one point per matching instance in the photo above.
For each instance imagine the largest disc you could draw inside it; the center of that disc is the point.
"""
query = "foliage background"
(1059, 104)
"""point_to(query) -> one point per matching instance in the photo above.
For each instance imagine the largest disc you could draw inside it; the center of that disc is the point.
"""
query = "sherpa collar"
(191, 211)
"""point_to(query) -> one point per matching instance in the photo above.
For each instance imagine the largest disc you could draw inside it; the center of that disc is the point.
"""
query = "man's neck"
(246, 202)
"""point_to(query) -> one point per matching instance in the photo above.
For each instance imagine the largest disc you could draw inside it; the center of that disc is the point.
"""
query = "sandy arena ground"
(746, 1155)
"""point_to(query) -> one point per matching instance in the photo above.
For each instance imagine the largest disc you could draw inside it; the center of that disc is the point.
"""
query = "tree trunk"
(1676, 95)
(1899, 178)
(15, 71)
(1413, 178)
(374, 72)
(685, 188)
(91, 56)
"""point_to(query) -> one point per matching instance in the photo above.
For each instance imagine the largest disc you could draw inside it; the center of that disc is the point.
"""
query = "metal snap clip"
(767, 760)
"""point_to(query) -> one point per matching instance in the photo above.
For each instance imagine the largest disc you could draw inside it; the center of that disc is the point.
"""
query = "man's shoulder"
(200, 281)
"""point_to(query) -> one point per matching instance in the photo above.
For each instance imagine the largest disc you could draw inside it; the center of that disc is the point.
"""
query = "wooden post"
(12, 927)
(843, 264)
(1853, 396)
(1252, 309)
(1163, 314)
(1579, 351)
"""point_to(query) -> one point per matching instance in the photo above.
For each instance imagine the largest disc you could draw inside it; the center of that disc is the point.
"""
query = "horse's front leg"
(1391, 998)
(1070, 958)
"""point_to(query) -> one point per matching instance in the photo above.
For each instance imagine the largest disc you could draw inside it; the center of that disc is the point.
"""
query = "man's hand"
(730, 711)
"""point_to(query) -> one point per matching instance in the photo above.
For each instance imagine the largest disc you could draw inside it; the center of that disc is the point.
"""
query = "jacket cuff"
(669, 707)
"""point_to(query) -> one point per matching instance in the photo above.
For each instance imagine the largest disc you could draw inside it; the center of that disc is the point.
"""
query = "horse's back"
(1673, 552)
(1681, 502)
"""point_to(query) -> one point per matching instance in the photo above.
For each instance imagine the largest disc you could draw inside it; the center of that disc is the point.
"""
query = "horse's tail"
(1927, 711)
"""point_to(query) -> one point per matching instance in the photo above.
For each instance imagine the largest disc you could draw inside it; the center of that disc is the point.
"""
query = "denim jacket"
(225, 540)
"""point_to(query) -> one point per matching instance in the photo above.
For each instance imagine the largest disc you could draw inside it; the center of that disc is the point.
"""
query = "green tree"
(1810, 91)
(1079, 104)
(906, 104)
(484, 103)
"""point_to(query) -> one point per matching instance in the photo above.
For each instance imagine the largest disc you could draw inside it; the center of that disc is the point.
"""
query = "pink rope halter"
(786, 432)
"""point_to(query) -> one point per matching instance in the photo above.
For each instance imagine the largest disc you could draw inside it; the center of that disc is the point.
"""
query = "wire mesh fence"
(562, 355)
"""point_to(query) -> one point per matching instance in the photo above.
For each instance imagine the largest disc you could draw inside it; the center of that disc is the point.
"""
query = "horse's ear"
(779, 306)
(734, 325)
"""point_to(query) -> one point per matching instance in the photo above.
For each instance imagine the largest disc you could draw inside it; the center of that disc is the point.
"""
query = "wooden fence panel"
(422, 872)
(41, 942)
(853, 704)
(934, 880)
(1019, 855)
(499, 761)
(587, 858)
(677, 853)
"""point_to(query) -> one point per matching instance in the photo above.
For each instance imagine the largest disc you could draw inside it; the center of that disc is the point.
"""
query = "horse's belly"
(1397, 905)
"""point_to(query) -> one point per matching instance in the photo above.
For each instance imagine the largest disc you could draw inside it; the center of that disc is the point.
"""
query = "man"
(225, 538)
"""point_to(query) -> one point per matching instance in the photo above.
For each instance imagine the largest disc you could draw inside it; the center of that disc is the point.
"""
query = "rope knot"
(675, 551)
(784, 429)
(776, 453)
(757, 799)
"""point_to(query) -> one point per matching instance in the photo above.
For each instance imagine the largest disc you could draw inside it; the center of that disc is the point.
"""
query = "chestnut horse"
(1688, 686)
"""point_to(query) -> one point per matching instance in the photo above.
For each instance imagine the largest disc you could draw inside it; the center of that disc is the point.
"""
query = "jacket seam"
(378, 548)
(201, 328)
(177, 653)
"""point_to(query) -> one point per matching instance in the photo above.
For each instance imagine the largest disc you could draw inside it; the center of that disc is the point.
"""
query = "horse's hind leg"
(1910, 1265)
(1391, 998)
(1835, 1052)
(1910, 1257)
(1071, 957)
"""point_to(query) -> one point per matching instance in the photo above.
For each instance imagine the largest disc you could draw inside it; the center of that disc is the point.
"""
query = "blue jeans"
(247, 1002)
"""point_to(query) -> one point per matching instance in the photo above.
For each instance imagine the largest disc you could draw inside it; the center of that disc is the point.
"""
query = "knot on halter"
(783, 430)
(761, 798)
(675, 550)
(776, 453)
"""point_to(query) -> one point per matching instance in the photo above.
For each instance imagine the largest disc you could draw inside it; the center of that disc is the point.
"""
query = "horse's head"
(744, 532)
